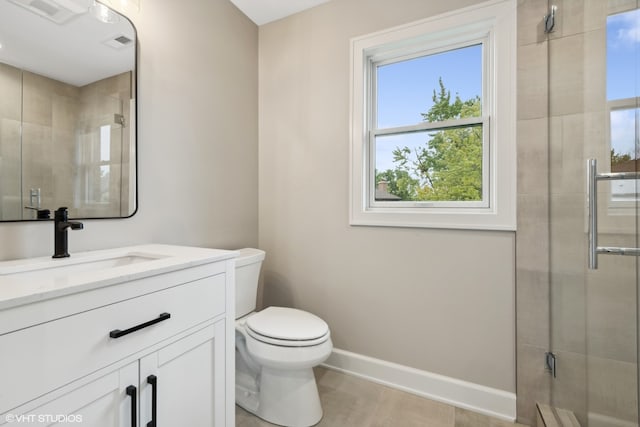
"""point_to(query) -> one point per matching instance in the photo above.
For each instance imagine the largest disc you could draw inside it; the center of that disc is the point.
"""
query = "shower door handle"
(592, 197)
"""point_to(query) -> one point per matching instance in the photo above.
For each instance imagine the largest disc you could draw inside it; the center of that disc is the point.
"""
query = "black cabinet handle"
(131, 391)
(117, 333)
(153, 380)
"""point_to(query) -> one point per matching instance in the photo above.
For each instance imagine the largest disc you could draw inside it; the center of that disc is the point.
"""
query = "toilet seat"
(287, 327)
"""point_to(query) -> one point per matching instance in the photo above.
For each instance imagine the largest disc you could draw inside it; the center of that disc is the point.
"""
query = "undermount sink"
(64, 267)
(39, 280)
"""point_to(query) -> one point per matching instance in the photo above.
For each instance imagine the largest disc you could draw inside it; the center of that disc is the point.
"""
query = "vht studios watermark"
(43, 418)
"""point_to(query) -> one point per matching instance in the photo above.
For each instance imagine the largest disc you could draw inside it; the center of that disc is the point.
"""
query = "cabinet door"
(103, 402)
(188, 379)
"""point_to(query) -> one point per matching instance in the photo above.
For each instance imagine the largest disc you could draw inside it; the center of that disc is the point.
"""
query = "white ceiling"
(73, 52)
(264, 11)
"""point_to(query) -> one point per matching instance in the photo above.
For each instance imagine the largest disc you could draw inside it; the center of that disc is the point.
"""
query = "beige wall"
(197, 136)
(438, 300)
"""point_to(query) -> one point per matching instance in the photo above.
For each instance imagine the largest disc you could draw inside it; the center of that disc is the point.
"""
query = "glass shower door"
(100, 155)
(593, 120)
(11, 201)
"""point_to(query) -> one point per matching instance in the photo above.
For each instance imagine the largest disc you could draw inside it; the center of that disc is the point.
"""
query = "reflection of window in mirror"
(623, 39)
(97, 168)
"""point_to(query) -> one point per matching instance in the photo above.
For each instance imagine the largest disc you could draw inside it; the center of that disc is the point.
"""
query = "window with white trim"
(623, 107)
(433, 122)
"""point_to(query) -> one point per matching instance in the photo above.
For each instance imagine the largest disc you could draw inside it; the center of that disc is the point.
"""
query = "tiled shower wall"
(54, 117)
(99, 102)
(49, 114)
(10, 120)
(587, 317)
(532, 237)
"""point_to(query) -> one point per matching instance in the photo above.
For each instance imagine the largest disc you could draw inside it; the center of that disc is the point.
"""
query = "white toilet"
(276, 350)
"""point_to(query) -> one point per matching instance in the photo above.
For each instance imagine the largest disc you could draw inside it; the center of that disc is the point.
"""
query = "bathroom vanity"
(138, 336)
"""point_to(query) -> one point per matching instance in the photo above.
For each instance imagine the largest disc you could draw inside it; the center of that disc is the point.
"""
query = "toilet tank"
(248, 265)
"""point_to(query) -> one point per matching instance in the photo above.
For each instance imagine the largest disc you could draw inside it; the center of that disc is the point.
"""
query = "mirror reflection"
(67, 110)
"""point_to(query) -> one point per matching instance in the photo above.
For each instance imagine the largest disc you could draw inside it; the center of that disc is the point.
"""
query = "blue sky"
(623, 36)
(405, 89)
(623, 43)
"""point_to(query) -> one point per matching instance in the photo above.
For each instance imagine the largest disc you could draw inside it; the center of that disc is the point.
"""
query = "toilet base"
(287, 398)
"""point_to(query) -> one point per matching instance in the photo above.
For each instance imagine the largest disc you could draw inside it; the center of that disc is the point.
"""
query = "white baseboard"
(463, 394)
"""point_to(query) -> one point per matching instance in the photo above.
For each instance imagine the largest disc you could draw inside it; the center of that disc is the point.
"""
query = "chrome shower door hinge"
(550, 19)
(550, 363)
(119, 119)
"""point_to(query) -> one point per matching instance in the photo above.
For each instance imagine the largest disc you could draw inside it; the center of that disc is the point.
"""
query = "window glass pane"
(623, 156)
(623, 35)
(105, 143)
(437, 87)
(441, 165)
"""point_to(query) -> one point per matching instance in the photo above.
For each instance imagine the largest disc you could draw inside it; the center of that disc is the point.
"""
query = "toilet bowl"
(276, 349)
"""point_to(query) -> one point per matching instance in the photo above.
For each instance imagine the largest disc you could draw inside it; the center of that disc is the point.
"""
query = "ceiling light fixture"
(103, 13)
(124, 5)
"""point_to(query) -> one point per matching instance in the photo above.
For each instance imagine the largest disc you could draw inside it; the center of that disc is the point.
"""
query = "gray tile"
(349, 401)
(245, 419)
(612, 309)
(10, 87)
(612, 389)
(532, 248)
(568, 311)
(397, 408)
(530, 22)
(566, 75)
(567, 163)
(533, 156)
(465, 418)
(534, 382)
(570, 384)
(346, 400)
(532, 81)
(532, 307)
(619, 6)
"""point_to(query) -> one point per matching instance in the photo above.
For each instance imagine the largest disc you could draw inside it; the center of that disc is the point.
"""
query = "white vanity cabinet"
(148, 346)
(98, 402)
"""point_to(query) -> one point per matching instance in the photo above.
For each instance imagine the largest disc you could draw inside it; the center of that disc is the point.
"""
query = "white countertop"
(16, 290)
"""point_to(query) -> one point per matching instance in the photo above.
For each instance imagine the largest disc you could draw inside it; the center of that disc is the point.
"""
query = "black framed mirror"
(67, 110)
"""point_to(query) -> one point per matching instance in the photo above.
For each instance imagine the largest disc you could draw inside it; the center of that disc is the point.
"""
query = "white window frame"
(390, 57)
(618, 206)
(492, 24)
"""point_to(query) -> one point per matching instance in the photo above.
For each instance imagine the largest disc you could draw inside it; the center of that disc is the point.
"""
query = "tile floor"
(349, 401)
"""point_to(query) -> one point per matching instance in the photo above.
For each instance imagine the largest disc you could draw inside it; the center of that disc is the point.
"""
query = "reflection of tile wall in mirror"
(50, 111)
(55, 116)
(10, 117)
(10, 199)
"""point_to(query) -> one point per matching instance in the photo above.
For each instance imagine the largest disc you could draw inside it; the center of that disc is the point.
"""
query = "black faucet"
(62, 223)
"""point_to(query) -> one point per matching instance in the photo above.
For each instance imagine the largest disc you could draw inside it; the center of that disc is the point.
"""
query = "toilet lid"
(287, 324)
